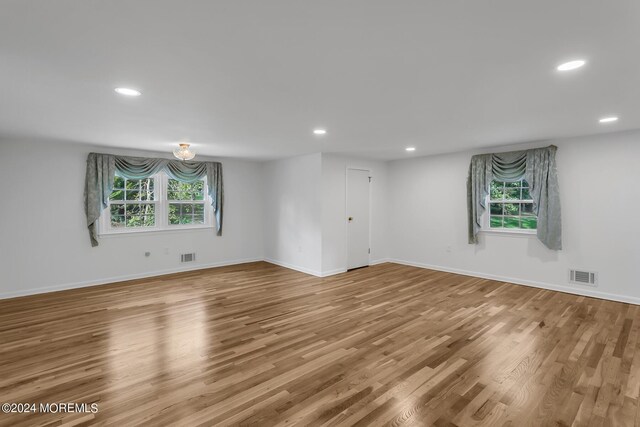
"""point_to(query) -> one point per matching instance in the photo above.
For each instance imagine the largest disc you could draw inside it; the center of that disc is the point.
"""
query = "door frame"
(346, 220)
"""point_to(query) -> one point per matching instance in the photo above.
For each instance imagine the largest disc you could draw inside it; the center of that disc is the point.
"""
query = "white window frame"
(486, 220)
(161, 181)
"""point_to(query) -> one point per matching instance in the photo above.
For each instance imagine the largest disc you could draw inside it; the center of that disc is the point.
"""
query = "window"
(155, 204)
(186, 202)
(511, 207)
(132, 203)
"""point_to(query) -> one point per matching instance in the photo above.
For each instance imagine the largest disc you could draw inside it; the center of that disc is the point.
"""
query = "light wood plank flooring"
(257, 344)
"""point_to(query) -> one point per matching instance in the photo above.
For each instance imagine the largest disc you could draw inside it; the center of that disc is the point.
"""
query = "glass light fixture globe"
(183, 152)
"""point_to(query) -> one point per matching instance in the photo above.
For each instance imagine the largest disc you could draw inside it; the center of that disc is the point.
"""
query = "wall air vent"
(580, 277)
(188, 257)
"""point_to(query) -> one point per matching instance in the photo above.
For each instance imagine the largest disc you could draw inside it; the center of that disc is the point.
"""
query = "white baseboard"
(294, 267)
(115, 279)
(532, 283)
(319, 273)
(344, 269)
(306, 270)
(334, 272)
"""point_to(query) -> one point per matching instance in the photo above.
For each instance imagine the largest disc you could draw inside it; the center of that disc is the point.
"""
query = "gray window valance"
(101, 170)
(538, 167)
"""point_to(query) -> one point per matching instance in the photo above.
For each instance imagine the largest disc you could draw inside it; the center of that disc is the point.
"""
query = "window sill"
(154, 231)
(507, 232)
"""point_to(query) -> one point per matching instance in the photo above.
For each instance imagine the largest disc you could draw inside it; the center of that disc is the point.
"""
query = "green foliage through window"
(131, 203)
(157, 202)
(186, 202)
(511, 206)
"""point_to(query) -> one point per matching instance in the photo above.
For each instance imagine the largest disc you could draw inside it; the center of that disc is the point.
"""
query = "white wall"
(334, 232)
(292, 213)
(298, 204)
(304, 220)
(45, 244)
(599, 178)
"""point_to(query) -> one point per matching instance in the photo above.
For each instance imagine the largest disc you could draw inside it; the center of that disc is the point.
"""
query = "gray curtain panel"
(101, 170)
(542, 177)
(478, 182)
(538, 167)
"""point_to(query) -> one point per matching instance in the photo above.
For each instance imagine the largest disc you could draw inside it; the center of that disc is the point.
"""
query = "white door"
(357, 218)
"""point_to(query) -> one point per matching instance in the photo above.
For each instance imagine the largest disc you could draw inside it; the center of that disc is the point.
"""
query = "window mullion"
(162, 197)
(165, 201)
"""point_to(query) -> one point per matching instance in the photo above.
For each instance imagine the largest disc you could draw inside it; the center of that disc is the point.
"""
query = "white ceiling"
(253, 78)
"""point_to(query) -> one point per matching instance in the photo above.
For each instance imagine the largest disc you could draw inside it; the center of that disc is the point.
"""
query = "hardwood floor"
(259, 344)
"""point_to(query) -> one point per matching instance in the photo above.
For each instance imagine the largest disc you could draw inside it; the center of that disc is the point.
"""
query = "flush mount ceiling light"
(319, 132)
(410, 149)
(127, 91)
(571, 65)
(183, 152)
(609, 119)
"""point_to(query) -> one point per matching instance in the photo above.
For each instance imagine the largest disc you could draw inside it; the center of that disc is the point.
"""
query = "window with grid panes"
(186, 202)
(132, 203)
(155, 204)
(511, 206)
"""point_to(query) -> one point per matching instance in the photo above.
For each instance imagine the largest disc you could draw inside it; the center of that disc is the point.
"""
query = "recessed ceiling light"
(127, 91)
(410, 149)
(571, 65)
(319, 131)
(609, 119)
